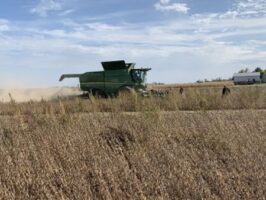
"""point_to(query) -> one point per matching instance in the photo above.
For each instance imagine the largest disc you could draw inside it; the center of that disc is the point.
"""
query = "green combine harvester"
(118, 77)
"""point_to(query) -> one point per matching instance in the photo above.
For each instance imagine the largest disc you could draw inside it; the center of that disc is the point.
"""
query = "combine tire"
(126, 91)
(98, 93)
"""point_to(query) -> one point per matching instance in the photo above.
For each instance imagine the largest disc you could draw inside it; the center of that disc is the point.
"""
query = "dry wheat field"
(198, 145)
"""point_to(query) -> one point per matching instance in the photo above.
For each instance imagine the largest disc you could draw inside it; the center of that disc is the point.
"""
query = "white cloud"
(251, 7)
(66, 12)
(45, 6)
(166, 5)
(205, 45)
(4, 25)
(246, 9)
(175, 47)
(165, 1)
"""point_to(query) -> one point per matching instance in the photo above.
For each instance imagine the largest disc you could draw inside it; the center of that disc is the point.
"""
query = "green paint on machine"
(117, 76)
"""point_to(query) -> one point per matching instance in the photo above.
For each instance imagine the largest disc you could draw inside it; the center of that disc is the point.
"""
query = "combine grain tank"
(117, 77)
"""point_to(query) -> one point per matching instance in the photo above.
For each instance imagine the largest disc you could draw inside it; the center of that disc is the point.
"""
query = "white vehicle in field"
(246, 78)
(264, 78)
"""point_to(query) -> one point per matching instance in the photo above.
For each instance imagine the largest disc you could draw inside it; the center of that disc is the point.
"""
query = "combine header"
(117, 77)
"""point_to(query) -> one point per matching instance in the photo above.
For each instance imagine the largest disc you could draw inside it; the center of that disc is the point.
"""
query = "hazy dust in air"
(24, 95)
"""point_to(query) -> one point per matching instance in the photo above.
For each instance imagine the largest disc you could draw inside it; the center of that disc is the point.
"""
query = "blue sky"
(181, 40)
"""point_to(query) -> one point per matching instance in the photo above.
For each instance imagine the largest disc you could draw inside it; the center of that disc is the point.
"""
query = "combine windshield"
(139, 75)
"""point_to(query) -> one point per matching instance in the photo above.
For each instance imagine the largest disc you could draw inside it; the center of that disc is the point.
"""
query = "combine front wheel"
(126, 91)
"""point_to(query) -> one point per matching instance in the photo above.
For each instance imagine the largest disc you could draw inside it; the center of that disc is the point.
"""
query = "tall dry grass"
(148, 155)
(246, 97)
(103, 149)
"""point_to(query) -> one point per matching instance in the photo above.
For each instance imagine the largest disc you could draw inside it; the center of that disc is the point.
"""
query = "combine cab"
(116, 78)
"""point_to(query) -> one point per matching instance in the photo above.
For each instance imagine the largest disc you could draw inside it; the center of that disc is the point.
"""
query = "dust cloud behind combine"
(37, 94)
